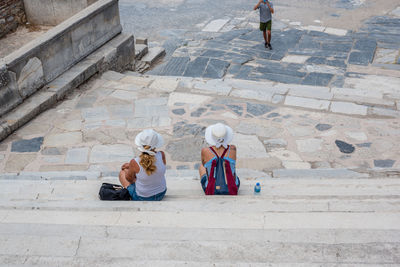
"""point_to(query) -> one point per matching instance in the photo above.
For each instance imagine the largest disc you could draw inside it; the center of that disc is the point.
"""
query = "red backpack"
(221, 180)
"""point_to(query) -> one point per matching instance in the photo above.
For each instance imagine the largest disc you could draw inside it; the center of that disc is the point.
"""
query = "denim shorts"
(135, 197)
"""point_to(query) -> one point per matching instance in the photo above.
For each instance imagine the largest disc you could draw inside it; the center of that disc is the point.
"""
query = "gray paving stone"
(323, 127)
(272, 144)
(183, 129)
(198, 112)
(307, 103)
(95, 114)
(216, 69)
(348, 108)
(258, 109)
(30, 145)
(196, 67)
(111, 153)
(384, 112)
(77, 155)
(176, 66)
(345, 147)
(364, 145)
(360, 58)
(52, 151)
(385, 163)
(311, 92)
(178, 111)
(318, 79)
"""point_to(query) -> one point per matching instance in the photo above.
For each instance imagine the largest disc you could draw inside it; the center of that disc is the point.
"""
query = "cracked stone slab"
(215, 25)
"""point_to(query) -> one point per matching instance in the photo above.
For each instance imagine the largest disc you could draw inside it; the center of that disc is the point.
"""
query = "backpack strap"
(223, 154)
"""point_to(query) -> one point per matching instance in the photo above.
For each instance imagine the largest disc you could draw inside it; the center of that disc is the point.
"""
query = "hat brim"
(212, 141)
(160, 140)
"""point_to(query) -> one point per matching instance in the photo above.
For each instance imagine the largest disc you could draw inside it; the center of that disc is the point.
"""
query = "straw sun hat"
(219, 135)
(150, 138)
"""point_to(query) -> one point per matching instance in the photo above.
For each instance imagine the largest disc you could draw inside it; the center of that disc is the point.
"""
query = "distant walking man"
(266, 11)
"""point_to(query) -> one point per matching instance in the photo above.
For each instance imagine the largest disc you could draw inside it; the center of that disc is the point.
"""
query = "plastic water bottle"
(257, 189)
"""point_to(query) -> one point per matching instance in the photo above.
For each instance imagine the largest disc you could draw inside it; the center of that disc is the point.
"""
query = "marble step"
(281, 204)
(189, 188)
(323, 236)
(230, 219)
(91, 249)
(118, 262)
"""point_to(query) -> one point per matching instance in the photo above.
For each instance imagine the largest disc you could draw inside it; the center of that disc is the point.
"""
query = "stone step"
(283, 204)
(324, 236)
(153, 55)
(99, 61)
(208, 219)
(140, 51)
(312, 188)
(90, 250)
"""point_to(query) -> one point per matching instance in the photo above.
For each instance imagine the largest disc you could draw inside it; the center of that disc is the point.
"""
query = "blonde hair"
(147, 161)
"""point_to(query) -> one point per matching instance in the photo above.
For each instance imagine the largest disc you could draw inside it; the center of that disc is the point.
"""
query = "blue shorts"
(135, 197)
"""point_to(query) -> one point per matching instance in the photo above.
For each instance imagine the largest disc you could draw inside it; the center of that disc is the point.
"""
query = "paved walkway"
(276, 125)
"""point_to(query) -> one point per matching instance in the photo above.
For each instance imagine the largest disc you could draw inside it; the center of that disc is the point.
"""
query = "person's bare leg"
(202, 170)
(122, 179)
(268, 40)
(265, 36)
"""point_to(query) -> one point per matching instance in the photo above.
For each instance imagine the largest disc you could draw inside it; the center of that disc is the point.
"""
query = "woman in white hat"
(218, 136)
(144, 176)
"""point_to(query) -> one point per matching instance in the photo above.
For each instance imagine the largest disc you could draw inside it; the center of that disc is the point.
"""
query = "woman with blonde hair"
(144, 176)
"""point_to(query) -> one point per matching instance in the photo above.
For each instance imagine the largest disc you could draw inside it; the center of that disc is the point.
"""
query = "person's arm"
(163, 157)
(270, 7)
(203, 156)
(130, 173)
(258, 5)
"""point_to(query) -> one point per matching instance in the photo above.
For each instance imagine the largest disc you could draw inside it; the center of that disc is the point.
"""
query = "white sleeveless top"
(147, 186)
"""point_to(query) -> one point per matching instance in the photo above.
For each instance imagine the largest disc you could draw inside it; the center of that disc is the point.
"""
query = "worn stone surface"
(18, 162)
(111, 153)
(31, 145)
(77, 155)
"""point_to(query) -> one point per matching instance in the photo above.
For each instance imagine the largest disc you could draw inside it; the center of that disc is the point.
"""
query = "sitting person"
(218, 170)
(144, 177)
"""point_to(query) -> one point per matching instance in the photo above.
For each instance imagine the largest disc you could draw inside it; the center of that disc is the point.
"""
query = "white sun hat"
(151, 138)
(219, 135)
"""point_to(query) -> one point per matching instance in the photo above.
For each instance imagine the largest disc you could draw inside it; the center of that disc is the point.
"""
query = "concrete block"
(310, 92)
(141, 41)
(335, 31)
(31, 77)
(384, 112)
(357, 92)
(307, 102)
(348, 108)
(9, 94)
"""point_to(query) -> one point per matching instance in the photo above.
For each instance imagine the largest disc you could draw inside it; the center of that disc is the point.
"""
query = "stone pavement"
(276, 125)
(310, 55)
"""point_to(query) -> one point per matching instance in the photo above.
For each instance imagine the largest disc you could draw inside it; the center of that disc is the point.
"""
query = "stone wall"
(11, 15)
(53, 12)
(28, 69)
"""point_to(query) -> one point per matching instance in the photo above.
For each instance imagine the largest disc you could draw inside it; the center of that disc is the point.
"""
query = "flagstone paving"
(73, 136)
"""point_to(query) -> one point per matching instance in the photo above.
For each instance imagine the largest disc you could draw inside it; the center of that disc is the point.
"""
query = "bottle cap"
(257, 183)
